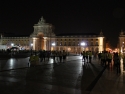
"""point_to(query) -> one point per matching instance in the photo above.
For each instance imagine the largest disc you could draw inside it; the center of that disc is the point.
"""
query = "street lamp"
(31, 45)
(83, 44)
(53, 44)
(12, 44)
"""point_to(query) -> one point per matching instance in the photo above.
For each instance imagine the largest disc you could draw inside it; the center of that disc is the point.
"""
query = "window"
(69, 44)
(65, 44)
(91, 43)
(96, 43)
(60, 43)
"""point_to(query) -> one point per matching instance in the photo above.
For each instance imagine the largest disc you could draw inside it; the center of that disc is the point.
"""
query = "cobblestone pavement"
(72, 77)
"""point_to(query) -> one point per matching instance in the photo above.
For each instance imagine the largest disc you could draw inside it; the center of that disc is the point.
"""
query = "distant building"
(121, 42)
(43, 38)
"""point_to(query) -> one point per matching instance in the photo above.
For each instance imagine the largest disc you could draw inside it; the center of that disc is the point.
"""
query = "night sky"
(68, 16)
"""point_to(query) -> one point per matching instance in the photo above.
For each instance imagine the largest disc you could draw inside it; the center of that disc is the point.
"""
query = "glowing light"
(12, 44)
(31, 44)
(83, 44)
(69, 49)
(53, 44)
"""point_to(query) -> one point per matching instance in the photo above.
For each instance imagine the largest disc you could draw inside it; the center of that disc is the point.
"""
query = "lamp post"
(83, 44)
(53, 44)
(12, 44)
(31, 46)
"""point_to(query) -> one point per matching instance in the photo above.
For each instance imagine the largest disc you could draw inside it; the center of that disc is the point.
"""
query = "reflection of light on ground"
(122, 66)
(51, 61)
(11, 62)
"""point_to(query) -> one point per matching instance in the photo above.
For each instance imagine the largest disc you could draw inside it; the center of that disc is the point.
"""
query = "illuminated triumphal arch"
(42, 36)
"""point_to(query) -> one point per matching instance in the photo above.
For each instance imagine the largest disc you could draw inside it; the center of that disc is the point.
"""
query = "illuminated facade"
(43, 38)
(122, 42)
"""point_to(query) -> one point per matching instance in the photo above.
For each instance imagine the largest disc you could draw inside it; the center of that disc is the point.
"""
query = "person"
(36, 59)
(86, 56)
(64, 56)
(31, 60)
(83, 56)
(53, 55)
(109, 58)
(60, 56)
(41, 55)
(99, 56)
(90, 56)
(117, 62)
(102, 58)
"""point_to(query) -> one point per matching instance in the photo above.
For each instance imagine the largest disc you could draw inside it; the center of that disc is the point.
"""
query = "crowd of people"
(111, 59)
(86, 56)
(106, 58)
(42, 56)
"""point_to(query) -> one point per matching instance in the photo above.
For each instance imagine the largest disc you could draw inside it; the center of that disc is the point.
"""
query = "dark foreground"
(71, 77)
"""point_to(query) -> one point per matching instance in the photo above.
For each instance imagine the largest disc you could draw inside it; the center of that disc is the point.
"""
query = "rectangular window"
(96, 43)
(91, 43)
(73, 43)
(65, 44)
(60, 43)
(69, 44)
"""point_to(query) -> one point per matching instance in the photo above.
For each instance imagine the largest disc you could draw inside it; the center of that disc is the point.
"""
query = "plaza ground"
(72, 77)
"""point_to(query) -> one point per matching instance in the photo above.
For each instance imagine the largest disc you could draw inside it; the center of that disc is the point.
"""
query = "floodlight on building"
(12, 44)
(53, 44)
(31, 44)
(83, 44)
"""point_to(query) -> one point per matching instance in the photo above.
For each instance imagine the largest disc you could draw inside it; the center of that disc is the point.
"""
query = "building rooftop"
(13, 35)
(76, 34)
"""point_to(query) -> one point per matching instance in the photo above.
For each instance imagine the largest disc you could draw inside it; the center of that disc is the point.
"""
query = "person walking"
(60, 56)
(116, 59)
(83, 56)
(36, 59)
(90, 56)
(109, 58)
(64, 56)
(32, 60)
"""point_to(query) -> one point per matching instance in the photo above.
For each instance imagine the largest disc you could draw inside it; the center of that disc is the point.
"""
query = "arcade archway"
(40, 41)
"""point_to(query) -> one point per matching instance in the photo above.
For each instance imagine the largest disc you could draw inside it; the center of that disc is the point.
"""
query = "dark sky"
(68, 16)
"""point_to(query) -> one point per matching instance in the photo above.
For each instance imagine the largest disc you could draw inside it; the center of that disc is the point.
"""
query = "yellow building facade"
(43, 38)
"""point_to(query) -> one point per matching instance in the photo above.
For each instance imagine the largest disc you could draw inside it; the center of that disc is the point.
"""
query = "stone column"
(101, 44)
(34, 43)
(45, 42)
